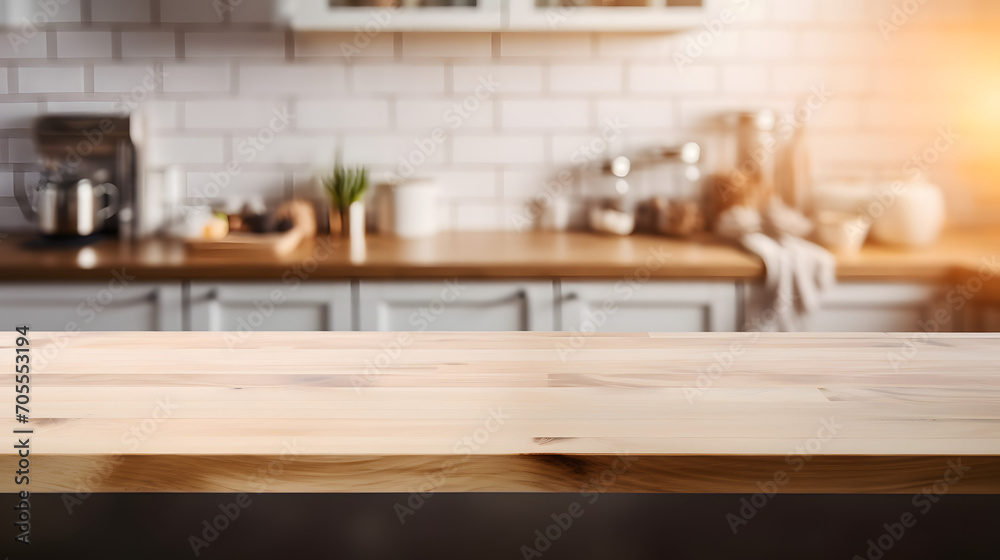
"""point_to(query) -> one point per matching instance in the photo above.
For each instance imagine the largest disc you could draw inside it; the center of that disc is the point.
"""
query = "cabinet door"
(115, 305)
(271, 306)
(875, 307)
(365, 18)
(456, 305)
(648, 307)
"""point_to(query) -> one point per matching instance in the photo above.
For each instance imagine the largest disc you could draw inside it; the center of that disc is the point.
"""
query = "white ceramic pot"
(408, 209)
(913, 215)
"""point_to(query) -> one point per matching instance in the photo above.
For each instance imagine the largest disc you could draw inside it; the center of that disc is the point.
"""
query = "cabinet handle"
(572, 296)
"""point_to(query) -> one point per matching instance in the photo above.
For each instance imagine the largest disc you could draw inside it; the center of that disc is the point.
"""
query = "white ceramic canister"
(913, 214)
(408, 209)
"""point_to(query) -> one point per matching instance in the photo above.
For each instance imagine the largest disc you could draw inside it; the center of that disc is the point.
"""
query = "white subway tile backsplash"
(585, 77)
(546, 45)
(657, 46)
(235, 187)
(47, 11)
(570, 113)
(404, 153)
(506, 78)
(313, 151)
(3, 80)
(19, 45)
(120, 10)
(450, 114)
(386, 78)
(166, 149)
(670, 78)
(251, 11)
(243, 44)
(115, 78)
(148, 44)
(447, 45)
(505, 150)
(744, 78)
(192, 11)
(86, 107)
(292, 79)
(17, 115)
(160, 114)
(320, 114)
(478, 216)
(196, 77)
(465, 184)
(50, 80)
(793, 11)
(637, 113)
(83, 44)
(344, 45)
(767, 43)
(21, 150)
(237, 114)
(6, 183)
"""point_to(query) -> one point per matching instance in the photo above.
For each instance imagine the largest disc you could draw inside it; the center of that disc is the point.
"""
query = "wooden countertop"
(395, 412)
(484, 255)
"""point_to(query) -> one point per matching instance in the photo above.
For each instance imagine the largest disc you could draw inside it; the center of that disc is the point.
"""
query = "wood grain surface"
(486, 255)
(401, 412)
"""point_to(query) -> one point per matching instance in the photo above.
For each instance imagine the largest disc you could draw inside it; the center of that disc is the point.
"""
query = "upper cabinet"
(374, 16)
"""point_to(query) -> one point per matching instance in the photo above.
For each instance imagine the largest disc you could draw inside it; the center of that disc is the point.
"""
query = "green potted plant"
(346, 188)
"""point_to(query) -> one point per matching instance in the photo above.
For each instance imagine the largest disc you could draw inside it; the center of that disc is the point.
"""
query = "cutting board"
(264, 244)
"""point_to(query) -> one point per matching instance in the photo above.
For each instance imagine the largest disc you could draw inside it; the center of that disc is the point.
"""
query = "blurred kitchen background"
(877, 122)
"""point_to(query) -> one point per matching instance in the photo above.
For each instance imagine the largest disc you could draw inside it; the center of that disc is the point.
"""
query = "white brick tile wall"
(239, 186)
(448, 45)
(83, 44)
(21, 46)
(386, 78)
(512, 78)
(148, 44)
(469, 148)
(167, 149)
(196, 77)
(568, 113)
(379, 98)
(451, 114)
(50, 80)
(669, 78)
(120, 10)
(546, 45)
(65, 11)
(344, 45)
(293, 79)
(585, 77)
(238, 44)
(17, 115)
(234, 114)
(251, 11)
(114, 78)
(353, 114)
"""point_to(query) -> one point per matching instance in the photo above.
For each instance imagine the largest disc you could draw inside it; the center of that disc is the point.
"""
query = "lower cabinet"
(648, 307)
(270, 306)
(115, 305)
(871, 307)
(456, 305)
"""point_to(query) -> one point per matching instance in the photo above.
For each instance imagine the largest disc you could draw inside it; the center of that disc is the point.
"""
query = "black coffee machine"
(88, 177)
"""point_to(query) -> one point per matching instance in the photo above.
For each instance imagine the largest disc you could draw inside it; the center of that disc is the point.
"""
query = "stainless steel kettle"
(74, 207)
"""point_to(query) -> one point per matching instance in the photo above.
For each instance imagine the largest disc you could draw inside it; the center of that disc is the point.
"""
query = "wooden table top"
(484, 255)
(392, 412)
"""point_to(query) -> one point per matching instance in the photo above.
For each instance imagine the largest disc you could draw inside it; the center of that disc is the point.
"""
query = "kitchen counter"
(486, 255)
(398, 412)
